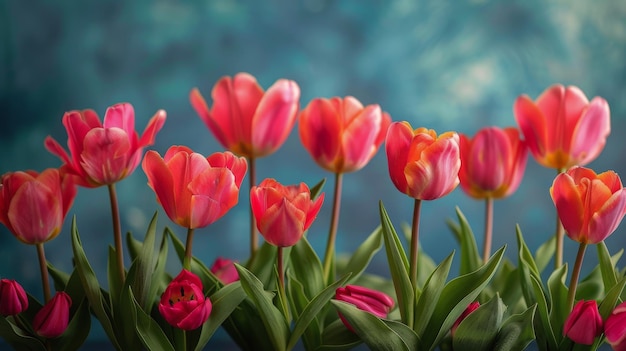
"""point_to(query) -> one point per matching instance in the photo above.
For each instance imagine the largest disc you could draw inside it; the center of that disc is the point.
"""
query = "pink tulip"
(53, 318)
(245, 119)
(194, 191)
(183, 303)
(584, 323)
(468, 310)
(365, 299)
(615, 328)
(13, 299)
(590, 206)
(103, 154)
(340, 134)
(33, 205)
(562, 128)
(224, 269)
(421, 164)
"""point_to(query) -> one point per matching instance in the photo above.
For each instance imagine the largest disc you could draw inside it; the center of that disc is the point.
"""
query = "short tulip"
(283, 213)
(183, 304)
(224, 269)
(365, 299)
(33, 205)
(245, 119)
(421, 164)
(468, 310)
(492, 163)
(590, 205)
(104, 153)
(562, 128)
(340, 134)
(53, 318)
(584, 323)
(13, 299)
(615, 328)
(194, 191)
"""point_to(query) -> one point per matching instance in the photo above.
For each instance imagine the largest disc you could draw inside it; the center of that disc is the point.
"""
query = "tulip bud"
(365, 299)
(224, 269)
(13, 299)
(183, 304)
(53, 318)
(584, 323)
(615, 328)
(469, 309)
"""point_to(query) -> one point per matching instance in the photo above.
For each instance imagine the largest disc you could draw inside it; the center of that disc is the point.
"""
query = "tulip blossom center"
(182, 296)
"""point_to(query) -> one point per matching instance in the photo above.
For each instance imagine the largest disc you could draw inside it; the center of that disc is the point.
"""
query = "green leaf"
(430, 295)
(336, 337)
(158, 281)
(470, 257)
(591, 287)
(611, 299)
(273, 320)
(148, 331)
(607, 268)
(360, 259)
(316, 190)
(399, 267)
(16, 337)
(77, 330)
(59, 277)
(133, 245)
(544, 253)
(543, 329)
(307, 268)
(478, 331)
(145, 261)
(516, 332)
(115, 281)
(559, 310)
(262, 264)
(526, 267)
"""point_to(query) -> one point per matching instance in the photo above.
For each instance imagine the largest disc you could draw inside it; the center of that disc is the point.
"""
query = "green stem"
(415, 243)
(184, 340)
(253, 232)
(281, 281)
(559, 233)
(488, 229)
(117, 231)
(43, 267)
(573, 283)
(188, 246)
(329, 256)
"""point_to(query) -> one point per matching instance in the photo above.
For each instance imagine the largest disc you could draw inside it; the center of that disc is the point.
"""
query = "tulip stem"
(188, 246)
(329, 256)
(559, 233)
(253, 232)
(571, 294)
(117, 231)
(415, 231)
(488, 228)
(43, 267)
(281, 281)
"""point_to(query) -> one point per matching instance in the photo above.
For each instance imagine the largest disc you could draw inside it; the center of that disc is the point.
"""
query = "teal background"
(441, 64)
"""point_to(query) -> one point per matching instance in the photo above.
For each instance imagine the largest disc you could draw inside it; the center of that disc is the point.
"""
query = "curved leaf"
(516, 332)
(478, 331)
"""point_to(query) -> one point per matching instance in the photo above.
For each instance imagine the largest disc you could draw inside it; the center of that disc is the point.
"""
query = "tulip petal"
(161, 181)
(104, 157)
(282, 224)
(591, 131)
(359, 137)
(215, 193)
(397, 145)
(120, 116)
(319, 132)
(607, 219)
(532, 123)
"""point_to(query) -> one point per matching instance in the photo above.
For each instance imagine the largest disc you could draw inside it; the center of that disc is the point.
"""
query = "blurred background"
(441, 64)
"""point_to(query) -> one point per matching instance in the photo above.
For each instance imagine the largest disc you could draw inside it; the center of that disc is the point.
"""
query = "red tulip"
(584, 323)
(492, 163)
(33, 206)
(183, 303)
(340, 134)
(245, 119)
(13, 299)
(194, 191)
(562, 128)
(53, 318)
(590, 205)
(468, 310)
(103, 154)
(421, 164)
(224, 269)
(283, 213)
(365, 299)
(615, 328)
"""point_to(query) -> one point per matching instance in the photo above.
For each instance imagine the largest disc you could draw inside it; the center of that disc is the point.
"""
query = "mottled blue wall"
(442, 64)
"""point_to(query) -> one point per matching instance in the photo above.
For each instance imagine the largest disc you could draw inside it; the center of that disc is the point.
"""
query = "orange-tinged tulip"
(104, 153)
(33, 205)
(340, 134)
(283, 213)
(245, 119)
(590, 205)
(492, 163)
(562, 128)
(421, 164)
(194, 191)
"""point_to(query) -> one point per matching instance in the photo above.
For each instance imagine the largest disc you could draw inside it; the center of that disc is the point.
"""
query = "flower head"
(224, 269)
(468, 310)
(283, 213)
(13, 299)
(615, 328)
(245, 119)
(365, 299)
(584, 323)
(340, 134)
(194, 191)
(183, 303)
(421, 164)
(562, 128)
(589, 205)
(53, 318)
(104, 153)
(33, 205)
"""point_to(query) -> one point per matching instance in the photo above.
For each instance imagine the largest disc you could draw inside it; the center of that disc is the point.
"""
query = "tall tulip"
(342, 136)
(492, 167)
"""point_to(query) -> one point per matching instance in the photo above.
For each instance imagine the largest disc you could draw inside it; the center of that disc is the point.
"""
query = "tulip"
(283, 213)
(194, 191)
(245, 119)
(365, 299)
(13, 299)
(53, 318)
(590, 205)
(104, 153)
(421, 164)
(492, 163)
(468, 310)
(224, 269)
(584, 323)
(615, 328)
(33, 205)
(183, 304)
(562, 128)
(340, 134)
